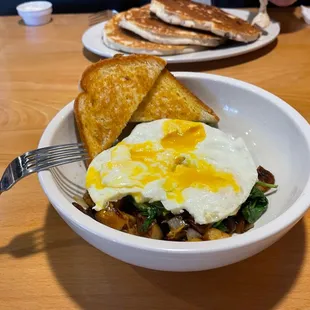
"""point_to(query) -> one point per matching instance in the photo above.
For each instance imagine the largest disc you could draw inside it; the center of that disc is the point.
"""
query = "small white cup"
(35, 13)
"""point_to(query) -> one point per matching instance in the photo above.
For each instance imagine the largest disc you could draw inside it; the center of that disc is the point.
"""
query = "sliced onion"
(176, 223)
(192, 234)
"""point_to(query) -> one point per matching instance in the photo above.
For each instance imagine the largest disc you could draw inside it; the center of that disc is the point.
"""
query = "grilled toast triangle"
(112, 91)
(170, 99)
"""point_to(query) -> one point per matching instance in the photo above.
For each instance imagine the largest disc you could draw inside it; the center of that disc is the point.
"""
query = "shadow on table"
(90, 277)
(206, 65)
(91, 56)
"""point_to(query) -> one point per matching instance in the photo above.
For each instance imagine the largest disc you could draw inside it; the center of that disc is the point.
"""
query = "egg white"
(219, 149)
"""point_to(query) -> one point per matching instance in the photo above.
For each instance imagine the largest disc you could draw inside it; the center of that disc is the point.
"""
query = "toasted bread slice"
(205, 17)
(170, 99)
(120, 39)
(145, 24)
(112, 91)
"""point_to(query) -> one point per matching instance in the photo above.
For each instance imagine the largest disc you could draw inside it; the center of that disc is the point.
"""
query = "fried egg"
(185, 165)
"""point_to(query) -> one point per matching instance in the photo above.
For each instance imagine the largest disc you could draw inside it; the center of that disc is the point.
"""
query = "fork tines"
(48, 157)
(101, 16)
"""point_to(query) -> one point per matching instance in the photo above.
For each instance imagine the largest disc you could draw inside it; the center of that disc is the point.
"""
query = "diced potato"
(194, 240)
(111, 219)
(133, 230)
(176, 234)
(215, 234)
(155, 232)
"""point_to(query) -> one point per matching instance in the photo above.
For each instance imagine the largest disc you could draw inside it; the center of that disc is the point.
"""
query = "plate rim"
(182, 58)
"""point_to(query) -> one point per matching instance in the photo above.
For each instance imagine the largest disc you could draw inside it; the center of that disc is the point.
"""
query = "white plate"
(92, 40)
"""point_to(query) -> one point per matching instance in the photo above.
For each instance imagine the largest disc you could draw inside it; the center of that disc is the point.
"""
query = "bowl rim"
(284, 221)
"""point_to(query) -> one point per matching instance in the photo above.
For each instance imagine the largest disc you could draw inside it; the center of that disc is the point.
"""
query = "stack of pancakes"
(167, 27)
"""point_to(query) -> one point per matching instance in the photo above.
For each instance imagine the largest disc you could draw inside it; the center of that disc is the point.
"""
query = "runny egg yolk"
(172, 160)
(93, 178)
(182, 136)
(199, 175)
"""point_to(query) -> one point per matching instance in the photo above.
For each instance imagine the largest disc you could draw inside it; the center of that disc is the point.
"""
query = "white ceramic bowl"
(278, 138)
(35, 13)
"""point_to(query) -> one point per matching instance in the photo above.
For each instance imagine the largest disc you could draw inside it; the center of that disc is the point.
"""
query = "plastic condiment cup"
(35, 13)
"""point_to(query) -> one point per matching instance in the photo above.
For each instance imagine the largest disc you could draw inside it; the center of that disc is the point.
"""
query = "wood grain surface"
(44, 265)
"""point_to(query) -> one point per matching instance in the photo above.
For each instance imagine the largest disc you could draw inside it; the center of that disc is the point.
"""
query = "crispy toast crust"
(200, 16)
(112, 91)
(79, 124)
(118, 59)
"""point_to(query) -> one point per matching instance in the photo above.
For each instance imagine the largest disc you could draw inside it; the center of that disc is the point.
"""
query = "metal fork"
(39, 160)
(101, 16)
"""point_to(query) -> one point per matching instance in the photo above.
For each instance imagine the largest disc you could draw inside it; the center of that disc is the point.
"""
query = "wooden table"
(44, 265)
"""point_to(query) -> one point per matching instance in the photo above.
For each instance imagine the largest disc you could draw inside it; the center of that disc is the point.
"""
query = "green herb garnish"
(220, 225)
(255, 206)
(151, 211)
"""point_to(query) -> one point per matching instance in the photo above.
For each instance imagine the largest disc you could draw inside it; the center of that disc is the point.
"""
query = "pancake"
(145, 24)
(122, 40)
(205, 17)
